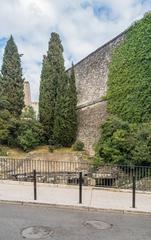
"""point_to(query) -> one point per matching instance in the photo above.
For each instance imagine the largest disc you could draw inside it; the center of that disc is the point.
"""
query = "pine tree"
(53, 71)
(11, 84)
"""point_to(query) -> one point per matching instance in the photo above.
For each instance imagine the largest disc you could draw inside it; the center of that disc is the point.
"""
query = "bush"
(30, 131)
(124, 143)
(3, 151)
(8, 128)
(51, 148)
(78, 146)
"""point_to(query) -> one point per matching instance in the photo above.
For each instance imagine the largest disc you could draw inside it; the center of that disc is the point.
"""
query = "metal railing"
(114, 176)
(57, 172)
(60, 172)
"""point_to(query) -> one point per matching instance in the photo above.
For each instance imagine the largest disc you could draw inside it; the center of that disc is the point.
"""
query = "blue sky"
(83, 25)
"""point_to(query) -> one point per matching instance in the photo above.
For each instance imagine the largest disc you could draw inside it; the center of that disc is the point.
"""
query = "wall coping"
(98, 49)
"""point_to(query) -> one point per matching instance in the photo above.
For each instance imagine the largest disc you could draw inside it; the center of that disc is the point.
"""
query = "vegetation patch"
(78, 146)
(126, 135)
(129, 83)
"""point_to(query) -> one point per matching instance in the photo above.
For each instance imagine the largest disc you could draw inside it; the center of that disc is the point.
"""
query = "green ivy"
(129, 83)
(125, 136)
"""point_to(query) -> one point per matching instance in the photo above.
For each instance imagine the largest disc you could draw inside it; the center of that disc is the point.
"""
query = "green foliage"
(29, 132)
(72, 93)
(124, 143)
(8, 128)
(126, 135)
(4, 104)
(64, 122)
(3, 151)
(78, 146)
(11, 81)
(51, 148)
(129, 83)
(28, 113)
(53, 71)
(57, 102)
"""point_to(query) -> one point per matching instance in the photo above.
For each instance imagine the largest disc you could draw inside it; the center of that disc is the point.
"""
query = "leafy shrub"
(3, 151)
(124, 143)
(78, 146)
(51, 148)
(8, 128)
(29, 132)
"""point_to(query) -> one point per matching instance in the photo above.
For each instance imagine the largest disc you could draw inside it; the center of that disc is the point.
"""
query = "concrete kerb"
(74, 207)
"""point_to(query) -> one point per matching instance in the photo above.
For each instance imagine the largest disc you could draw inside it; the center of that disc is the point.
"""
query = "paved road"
(69, 224)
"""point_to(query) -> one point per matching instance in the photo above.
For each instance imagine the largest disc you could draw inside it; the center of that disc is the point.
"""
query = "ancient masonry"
(27, 98)
(27, 94)
(91, 81)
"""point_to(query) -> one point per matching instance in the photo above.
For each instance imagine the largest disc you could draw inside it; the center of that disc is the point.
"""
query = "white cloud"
(82, 31)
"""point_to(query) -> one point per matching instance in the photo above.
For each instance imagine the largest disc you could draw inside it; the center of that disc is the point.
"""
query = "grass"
(58, 154)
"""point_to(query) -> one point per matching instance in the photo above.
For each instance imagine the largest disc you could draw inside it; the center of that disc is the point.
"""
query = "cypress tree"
(62, 121)
(65, 121)
(73, 104)
(11, 84)
(53, 72)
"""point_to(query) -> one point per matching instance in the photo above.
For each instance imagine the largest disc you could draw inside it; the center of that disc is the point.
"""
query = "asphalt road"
(69, 224)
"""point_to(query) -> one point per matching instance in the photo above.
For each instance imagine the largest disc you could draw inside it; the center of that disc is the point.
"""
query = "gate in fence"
(60, 172)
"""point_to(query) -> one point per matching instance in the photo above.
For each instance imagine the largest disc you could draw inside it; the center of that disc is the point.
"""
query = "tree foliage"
(8, 128)
(73, 105)
(30, 131)
(11, 81)
(53, 71)
(57, 101)
(65, 119)
(124, 143)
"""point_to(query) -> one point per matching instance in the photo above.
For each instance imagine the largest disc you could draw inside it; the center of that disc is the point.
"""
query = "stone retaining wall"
(91, 81)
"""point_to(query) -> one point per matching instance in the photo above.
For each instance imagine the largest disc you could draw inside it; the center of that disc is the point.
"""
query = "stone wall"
(89, 119)
(91, 81)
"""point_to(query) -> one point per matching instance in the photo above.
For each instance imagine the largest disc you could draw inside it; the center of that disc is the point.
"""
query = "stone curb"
(74, 207)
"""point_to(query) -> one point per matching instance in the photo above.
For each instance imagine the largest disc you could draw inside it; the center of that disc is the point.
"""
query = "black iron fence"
(55, 172)
(60, 172)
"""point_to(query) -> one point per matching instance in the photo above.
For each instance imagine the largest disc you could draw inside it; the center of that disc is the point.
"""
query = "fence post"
(134, 192)
(80, 187)
(35, 185)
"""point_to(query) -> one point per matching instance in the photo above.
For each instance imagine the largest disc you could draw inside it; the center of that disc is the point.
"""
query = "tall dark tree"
(65, 121)
(73, 104)
(11, 83)
(62, 121)
(53, 71)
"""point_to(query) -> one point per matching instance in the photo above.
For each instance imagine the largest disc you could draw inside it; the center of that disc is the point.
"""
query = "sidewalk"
(94, 198)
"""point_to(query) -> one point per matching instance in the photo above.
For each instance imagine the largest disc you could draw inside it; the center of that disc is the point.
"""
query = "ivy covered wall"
(129, 82)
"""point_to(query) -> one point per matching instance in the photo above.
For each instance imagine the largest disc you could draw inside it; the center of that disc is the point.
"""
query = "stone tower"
(27, 94)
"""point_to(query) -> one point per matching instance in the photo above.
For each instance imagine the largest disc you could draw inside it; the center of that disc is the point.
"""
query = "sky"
(83, 25)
